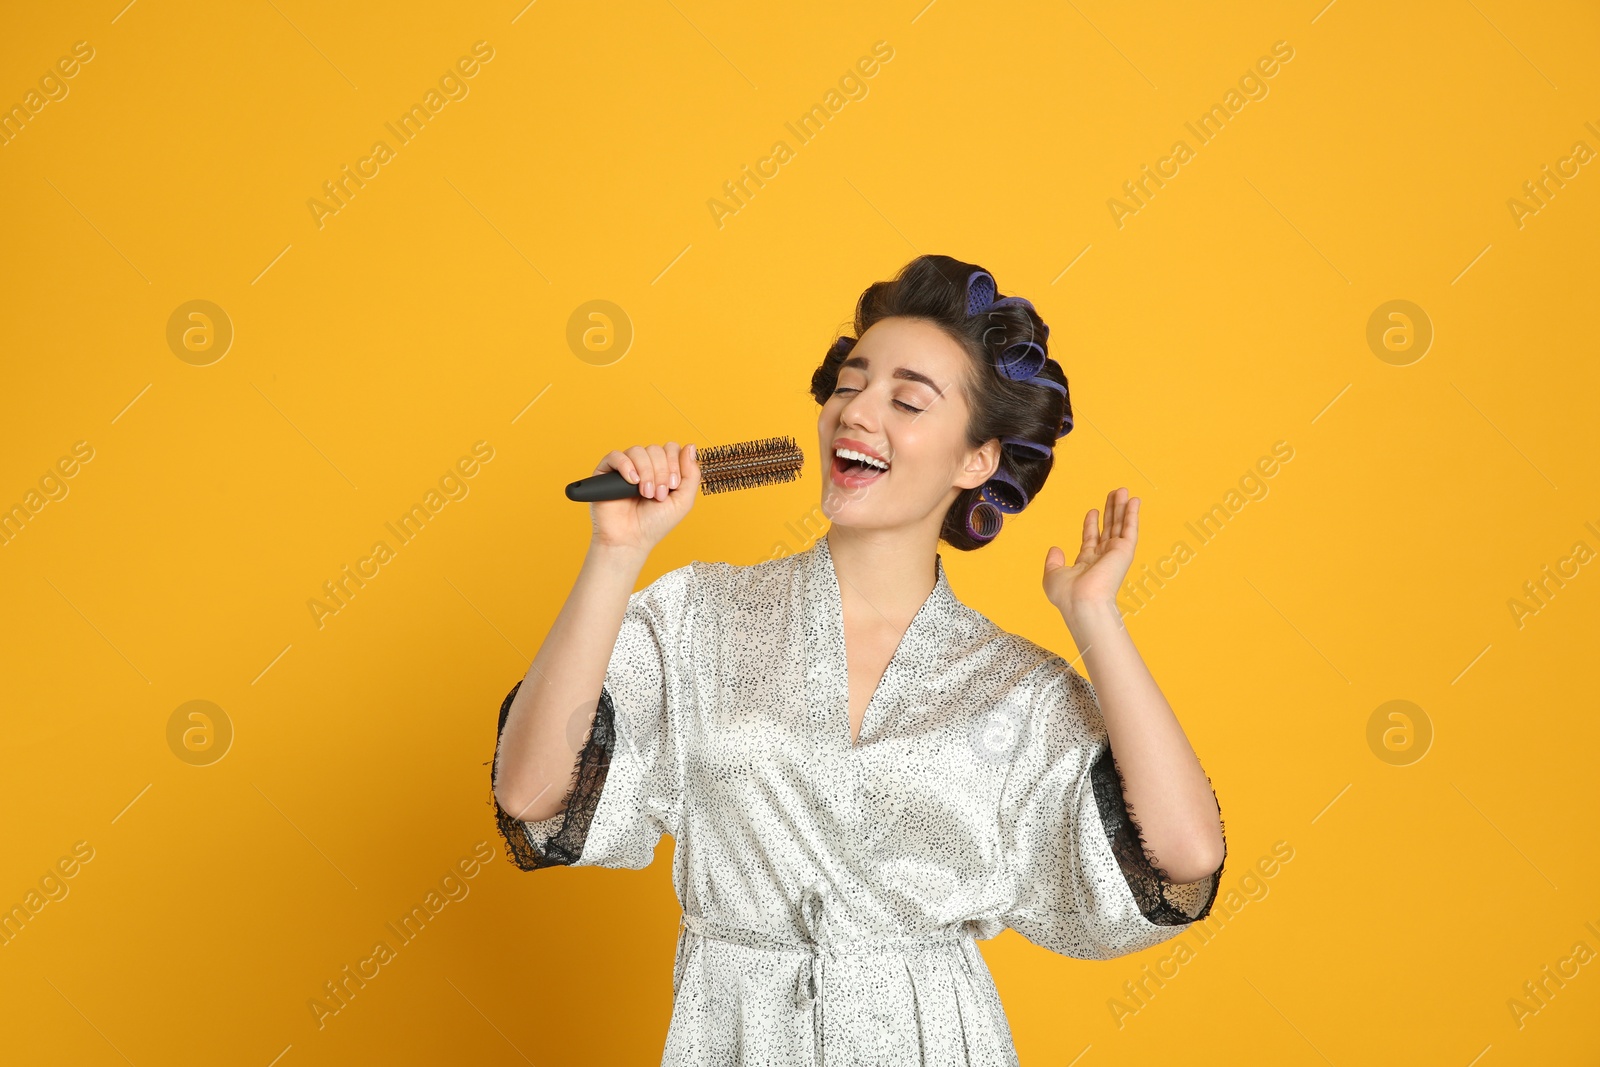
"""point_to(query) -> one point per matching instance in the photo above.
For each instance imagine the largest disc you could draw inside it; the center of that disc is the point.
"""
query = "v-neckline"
(830, 581)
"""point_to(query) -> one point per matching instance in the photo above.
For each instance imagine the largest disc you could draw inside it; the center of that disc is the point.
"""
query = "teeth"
(850, 453)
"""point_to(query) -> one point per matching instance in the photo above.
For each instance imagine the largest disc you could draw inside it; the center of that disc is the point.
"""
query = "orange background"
(370, 352)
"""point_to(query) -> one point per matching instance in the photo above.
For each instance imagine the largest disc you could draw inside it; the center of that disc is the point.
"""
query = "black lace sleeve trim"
(565, 845)
(1161, 900)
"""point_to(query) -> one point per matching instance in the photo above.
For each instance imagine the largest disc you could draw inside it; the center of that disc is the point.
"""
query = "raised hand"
(1095, 576)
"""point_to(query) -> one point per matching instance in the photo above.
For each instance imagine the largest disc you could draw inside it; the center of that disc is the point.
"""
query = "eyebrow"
(860, 363)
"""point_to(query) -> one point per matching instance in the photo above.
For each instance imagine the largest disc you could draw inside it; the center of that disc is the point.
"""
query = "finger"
(658, 462)
(689, 465)
(1119, 505)
(647, 471)
(618, 461)
(674, 468)
(1090, 529)
(1130, 522)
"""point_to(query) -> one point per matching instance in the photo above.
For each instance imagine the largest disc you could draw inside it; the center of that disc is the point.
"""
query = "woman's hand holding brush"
(668, 479)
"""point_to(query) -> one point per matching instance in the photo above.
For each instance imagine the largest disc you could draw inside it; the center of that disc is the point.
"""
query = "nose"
(860, 410)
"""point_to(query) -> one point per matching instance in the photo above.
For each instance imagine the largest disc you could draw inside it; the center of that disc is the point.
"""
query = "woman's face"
(901, 397)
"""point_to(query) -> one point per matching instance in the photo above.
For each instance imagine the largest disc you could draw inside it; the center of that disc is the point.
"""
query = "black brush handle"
(608, 486)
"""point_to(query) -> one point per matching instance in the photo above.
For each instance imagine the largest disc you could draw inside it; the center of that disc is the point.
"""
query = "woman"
(862, 774)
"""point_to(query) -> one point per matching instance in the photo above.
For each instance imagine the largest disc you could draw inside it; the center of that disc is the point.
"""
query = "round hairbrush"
(723, 468)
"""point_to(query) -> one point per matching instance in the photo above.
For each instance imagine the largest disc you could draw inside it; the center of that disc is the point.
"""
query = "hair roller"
(983, 520)
(1005, 493)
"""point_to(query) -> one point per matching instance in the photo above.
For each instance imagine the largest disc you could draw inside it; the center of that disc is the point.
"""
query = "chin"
(841, 512)
(857, 514)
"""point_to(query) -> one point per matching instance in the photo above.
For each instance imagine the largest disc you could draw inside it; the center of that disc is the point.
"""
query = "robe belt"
(820, 943)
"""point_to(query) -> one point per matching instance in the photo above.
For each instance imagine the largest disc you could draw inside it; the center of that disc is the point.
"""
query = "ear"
(980, 465)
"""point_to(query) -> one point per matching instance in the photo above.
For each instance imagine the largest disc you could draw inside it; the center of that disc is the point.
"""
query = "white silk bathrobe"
(831, 892)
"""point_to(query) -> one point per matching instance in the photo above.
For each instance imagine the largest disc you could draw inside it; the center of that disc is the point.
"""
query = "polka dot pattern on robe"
(833, 893)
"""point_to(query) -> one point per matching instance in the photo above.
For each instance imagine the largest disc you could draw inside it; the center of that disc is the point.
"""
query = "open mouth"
(854, 469)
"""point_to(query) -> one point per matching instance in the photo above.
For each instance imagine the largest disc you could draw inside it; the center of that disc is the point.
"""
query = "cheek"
(827, 430)
(914, 456)
(927, 456)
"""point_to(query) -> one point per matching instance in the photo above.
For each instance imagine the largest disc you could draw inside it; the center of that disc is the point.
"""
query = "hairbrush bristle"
(747, 464)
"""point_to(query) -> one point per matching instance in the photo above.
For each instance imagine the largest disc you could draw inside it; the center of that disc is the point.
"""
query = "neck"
(889, 574)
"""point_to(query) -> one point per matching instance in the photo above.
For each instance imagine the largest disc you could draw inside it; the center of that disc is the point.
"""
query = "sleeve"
(1083, 882)
(626, 787)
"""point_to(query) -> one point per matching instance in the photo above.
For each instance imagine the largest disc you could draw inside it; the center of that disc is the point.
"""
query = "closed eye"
(902, 403)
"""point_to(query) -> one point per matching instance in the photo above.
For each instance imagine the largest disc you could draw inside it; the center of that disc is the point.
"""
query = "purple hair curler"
(983, 520)
(1024, 443)
(1004, 492)
(1021, 361)
(980, 291)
